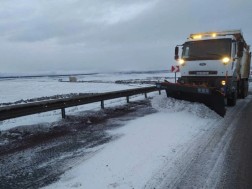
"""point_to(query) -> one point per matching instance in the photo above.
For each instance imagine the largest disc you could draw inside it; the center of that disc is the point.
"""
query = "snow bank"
(171, 105)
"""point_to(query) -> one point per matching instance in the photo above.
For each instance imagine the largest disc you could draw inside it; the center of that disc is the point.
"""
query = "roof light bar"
(215, 34)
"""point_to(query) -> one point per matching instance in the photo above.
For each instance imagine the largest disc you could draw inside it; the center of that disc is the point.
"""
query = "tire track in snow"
(200, 162)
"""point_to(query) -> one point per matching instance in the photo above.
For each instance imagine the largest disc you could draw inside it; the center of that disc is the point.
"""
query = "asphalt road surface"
(238, 160)
(223, 159)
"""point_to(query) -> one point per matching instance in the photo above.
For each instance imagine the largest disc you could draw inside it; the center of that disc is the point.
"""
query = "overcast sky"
(108, 35)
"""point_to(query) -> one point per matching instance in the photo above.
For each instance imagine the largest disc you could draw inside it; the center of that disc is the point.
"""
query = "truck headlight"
(225, 60)
(223, 82)
(181, 62)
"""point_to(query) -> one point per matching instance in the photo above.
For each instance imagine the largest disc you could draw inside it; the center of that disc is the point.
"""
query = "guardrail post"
(127, 98)
(63, 113)
(102, 104)
(145, 95)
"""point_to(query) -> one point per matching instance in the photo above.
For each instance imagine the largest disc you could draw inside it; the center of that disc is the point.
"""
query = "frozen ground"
(182, 145)
(178, 145)
(145, 145)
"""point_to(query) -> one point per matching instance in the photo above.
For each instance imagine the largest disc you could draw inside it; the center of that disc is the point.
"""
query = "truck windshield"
(213, 49)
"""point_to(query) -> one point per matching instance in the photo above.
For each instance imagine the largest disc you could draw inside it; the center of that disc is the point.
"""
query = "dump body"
(245, 65)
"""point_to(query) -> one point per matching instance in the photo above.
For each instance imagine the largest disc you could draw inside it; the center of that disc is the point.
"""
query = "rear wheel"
(232, 101)
(244, 88)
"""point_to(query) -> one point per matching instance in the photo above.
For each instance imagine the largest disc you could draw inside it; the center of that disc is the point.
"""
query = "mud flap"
(208, 96)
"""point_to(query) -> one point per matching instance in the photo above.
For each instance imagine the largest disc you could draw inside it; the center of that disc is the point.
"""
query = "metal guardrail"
(14, 111)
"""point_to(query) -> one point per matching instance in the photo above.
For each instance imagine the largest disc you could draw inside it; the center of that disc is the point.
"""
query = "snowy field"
(27, 88)
(23, 90)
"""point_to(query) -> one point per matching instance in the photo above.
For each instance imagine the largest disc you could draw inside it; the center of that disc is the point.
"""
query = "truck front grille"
(203, 72)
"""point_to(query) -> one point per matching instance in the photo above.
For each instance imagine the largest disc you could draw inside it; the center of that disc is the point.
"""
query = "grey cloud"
(55, 33)
(58, 20)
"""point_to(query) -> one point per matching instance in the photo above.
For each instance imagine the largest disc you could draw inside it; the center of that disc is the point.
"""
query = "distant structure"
(72, 79)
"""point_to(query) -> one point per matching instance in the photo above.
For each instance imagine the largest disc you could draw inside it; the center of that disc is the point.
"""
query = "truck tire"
(232, 101)
(246, 84)
(244, 89)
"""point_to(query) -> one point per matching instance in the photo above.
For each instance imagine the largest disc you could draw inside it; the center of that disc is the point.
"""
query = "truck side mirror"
(176, 57)
(240, 49)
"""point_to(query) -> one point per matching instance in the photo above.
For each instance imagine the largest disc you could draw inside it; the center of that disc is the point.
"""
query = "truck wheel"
(232, 101)
(242, 94)
(244, 89)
